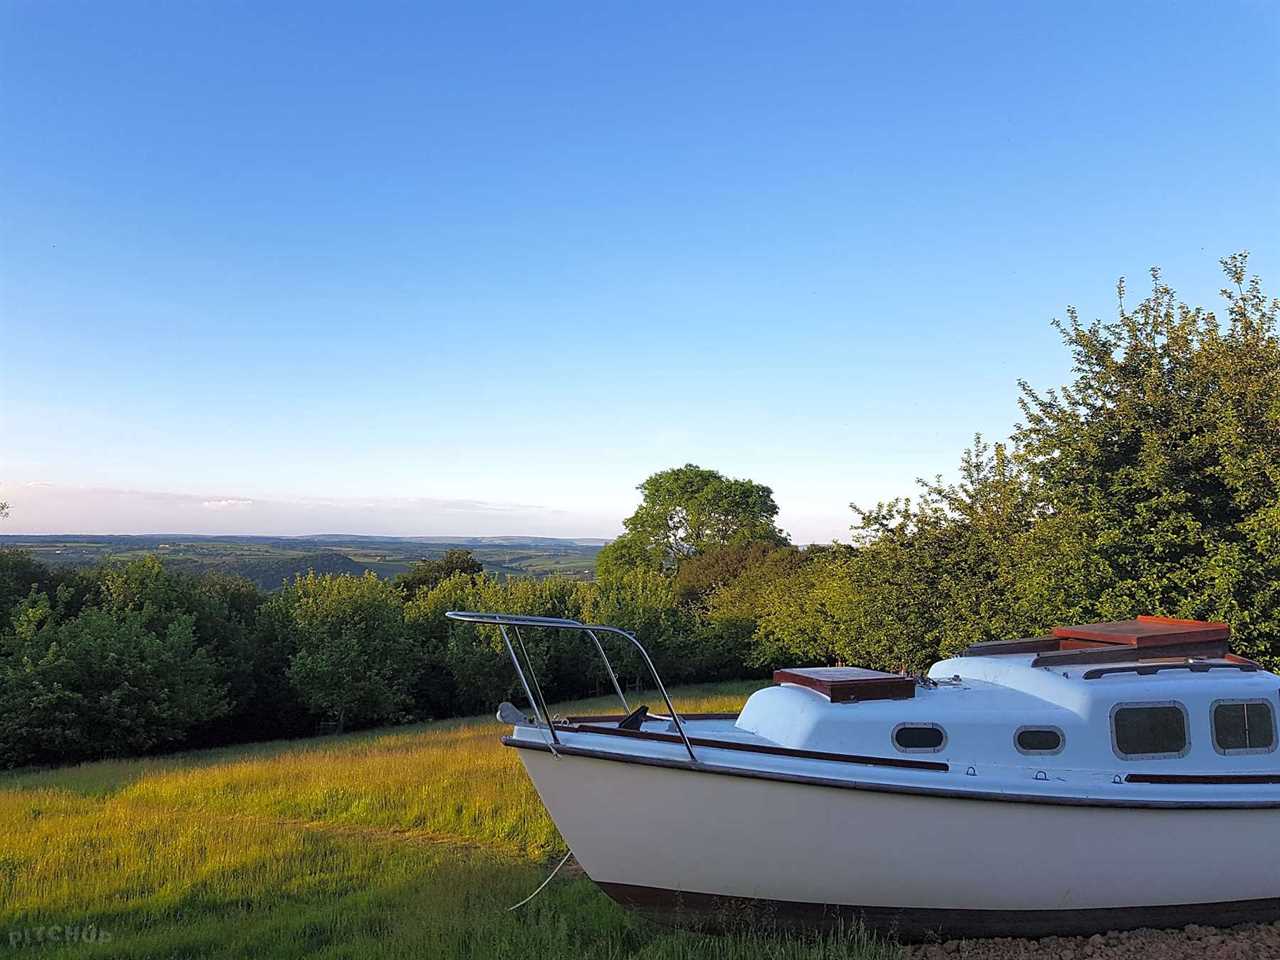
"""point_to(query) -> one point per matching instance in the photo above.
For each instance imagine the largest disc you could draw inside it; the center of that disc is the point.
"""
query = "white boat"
(1107, 777)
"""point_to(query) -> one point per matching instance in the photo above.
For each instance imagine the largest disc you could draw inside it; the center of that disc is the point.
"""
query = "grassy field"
(410, 842)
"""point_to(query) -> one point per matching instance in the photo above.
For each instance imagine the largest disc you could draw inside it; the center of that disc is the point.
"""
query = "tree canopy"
(686, 510)
(1149, 484)
(427, 574)
(355, 660)
(1157, 470)
(100, 683)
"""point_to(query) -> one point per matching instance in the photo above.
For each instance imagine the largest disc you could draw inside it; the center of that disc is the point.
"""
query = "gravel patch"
(1250, 941)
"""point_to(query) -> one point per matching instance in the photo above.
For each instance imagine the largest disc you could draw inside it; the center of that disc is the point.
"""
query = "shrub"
(100, 684)
(354, 660)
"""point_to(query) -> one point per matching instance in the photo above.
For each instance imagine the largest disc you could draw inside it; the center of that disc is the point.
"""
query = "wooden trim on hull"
(900, 762)
(1203, 778)
(914, 923)
(945, 793)
(617, 717)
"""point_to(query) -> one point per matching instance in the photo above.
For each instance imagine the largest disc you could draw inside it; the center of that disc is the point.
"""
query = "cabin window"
(1146, 731)
(919, 737)
(1038, 740)
(1243, 726)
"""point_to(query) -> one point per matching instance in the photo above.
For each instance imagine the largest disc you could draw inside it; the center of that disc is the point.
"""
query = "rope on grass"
(543, 883)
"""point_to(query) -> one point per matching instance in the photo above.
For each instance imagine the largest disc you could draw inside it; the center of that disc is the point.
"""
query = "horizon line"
(309, 536)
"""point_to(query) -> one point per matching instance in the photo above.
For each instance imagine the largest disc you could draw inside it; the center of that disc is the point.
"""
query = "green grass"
(409, 842)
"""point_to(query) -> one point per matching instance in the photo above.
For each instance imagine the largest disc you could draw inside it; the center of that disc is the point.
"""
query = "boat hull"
(709, 846)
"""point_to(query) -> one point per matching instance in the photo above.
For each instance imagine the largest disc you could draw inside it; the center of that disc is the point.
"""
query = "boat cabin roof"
(1068, 686)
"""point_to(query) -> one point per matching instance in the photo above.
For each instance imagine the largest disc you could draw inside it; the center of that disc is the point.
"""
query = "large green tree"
(689, 509)
(725, 589)
(223, 610)
(19, 574)
(100, 683)
(427, 574)
(924, 576)
(355, 661)
(1159, 465)
(1149, 484)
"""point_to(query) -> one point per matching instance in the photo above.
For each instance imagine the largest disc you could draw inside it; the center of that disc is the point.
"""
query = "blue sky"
(479, 269)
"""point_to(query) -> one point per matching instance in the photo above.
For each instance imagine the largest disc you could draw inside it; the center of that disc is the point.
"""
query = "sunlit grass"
(403, 842)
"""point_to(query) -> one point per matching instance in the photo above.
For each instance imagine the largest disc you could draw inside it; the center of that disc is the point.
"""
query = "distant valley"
(269, 561)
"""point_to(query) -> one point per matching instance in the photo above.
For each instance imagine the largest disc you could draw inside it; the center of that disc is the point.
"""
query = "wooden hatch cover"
(849, 684)
(1145, 638)
(1117, 641)
(1142, 632)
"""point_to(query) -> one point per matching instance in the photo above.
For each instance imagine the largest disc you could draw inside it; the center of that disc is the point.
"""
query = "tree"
(99, 684)
(427, 574)
(223, 609)
(642, 601)
(709, 573)
(724, 588)
(19, 574)
(474, 659)
(686, 510)
(925, 576)
(804, 617)
(355, 660)
(1159, 465)
(1149, 484)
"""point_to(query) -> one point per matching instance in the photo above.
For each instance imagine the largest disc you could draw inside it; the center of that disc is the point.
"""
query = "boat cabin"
(1154, 697)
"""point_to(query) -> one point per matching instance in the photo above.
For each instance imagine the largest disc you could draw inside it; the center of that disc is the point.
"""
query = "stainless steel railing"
(542, 713)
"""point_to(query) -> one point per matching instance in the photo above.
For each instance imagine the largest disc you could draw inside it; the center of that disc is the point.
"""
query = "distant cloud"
(40, 507)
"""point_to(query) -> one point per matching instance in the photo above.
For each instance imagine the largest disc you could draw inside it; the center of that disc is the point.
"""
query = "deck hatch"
(1142, 632)
(849, 684)
(1119, 641)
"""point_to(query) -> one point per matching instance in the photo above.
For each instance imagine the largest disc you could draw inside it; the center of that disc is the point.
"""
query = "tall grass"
(410, 842)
